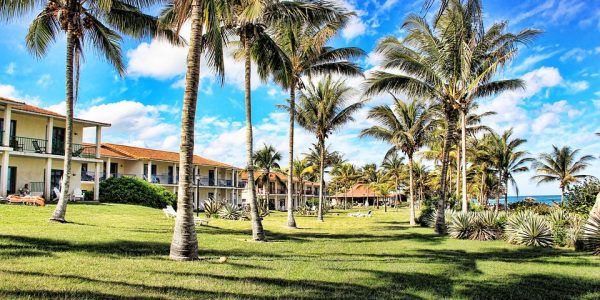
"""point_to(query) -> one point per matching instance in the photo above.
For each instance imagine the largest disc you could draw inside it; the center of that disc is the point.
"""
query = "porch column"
(98, 140)
(6, 133)
(97, 182)
(176, 174)
(4, 173)
(216, 183)
(47, 174)
(107, 169)
(49, 137)
(149, 176)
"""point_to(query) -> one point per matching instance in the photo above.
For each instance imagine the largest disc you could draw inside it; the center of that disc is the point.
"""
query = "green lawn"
(121, 251)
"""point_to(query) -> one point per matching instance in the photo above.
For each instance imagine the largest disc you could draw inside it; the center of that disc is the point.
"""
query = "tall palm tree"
(267, 159)
(95, 23)
(394, 168)
(306, 55)
(206, 37)
(368, 177)
(384, 190)
(406, 127)
(561, 165)
(255, 22)
(299, 171)
(347, 175)
(507, 160)
(322, 109)
(451, 61)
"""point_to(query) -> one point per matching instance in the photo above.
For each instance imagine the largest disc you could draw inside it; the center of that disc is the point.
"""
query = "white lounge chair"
(57, 193)
(77, 195)
(171, 213)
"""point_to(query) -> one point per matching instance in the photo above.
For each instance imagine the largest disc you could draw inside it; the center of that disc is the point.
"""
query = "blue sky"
(560, 106)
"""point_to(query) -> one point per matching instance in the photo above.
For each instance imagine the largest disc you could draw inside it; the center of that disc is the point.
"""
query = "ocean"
(547, 199)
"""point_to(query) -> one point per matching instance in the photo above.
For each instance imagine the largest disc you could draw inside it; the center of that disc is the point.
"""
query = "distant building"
(302, 190)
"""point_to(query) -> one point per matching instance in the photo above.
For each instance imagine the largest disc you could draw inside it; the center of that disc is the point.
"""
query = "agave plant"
(528, 228)
(575, 232)
(212, 207)
(559, 223)
(487, 226)
(591, 234)
(230, 212)
(461, 224)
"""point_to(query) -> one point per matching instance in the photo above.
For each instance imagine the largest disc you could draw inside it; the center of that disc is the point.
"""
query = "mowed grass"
(121, 251)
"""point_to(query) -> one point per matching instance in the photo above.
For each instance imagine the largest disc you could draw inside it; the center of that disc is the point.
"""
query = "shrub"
(580, 198)
(528, 228)
(591, 234)
(426, 217)
(461, 225)
(531, 204)
(132, 190)
(212, 207)
(575, 232)
(559, 224)
(487, 225)
(230, 212)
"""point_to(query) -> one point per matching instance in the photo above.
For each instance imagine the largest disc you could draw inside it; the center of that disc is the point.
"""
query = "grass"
(121, 251)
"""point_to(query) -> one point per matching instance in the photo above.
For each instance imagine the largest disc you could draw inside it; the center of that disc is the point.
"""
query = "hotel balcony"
(40, 146)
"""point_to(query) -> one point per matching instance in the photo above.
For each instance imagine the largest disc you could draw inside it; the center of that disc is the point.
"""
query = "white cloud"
(543, 121)
(530, 61)
(576, 86)
(161, 60)
(44, 80)
(576, 54)
(11, 92)
(355, 28)
(10, 69)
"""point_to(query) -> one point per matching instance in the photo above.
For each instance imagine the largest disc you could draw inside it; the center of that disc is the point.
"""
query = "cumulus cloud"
(10, 69)
(576, 86)
(44, 80)
(11, 92)
(355, 28)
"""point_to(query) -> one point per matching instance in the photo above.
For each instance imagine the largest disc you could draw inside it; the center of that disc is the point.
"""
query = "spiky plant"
(461, 225)
(575, 232)
(528, 228)
(212, 207)
(591, 234)
(487, 226)
(559, 223)
(230, 212)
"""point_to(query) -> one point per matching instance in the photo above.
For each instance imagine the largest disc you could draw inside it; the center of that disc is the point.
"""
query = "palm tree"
(507, 160)
(346, 175)
(384, 190)
(394, 168)
(561, 165)
(406, 127)
(306, 55)
(299, 171)
(451, 61)
(267, 159)
(368, 177)
(322, 109)
(206, 37)
(255, 23)
(94, 23)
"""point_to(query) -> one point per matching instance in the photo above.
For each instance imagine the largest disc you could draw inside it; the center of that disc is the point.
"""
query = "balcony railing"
(83, 151)
(25, 144)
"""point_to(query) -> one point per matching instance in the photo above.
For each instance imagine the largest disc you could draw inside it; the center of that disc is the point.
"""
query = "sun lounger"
(171, 213)
(27, 200)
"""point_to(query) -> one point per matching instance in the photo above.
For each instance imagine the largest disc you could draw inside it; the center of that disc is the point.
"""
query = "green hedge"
(132, 190)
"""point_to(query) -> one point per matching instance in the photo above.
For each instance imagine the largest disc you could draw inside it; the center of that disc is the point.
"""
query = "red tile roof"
(282, 176)
(153, 154)
(21, 106)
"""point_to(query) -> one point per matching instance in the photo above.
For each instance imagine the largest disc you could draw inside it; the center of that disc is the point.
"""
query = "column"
(216, 183)
(6, 133)
(4, 173)
(107, 169)
(49, 137)
(98, 140)
(149, 176)
(97, 182)
(176, 174)
(47, 174)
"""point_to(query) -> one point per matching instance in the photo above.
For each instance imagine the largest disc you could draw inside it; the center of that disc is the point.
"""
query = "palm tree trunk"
(457, 172)
(291, 222)
(412, 193)
(440, 222)
(321, 178)
(562, 196)
(184, 245)
(268, 192)
(463, 157)
(258, 233)
(61, 207)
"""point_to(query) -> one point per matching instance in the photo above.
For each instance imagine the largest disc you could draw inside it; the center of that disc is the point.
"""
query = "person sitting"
(24, 191)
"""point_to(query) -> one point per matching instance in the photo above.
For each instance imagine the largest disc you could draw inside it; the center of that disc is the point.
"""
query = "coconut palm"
(299, 171)
(368, 177)
(255, 25)
(451, 61)
(406, 126)
(306, 55)
(95, 23)
(384, 190)
(346, 175)
(267, 159)
(206, 37)
(561, 165)
(507, 160)
(394, 168)
(322, 109)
